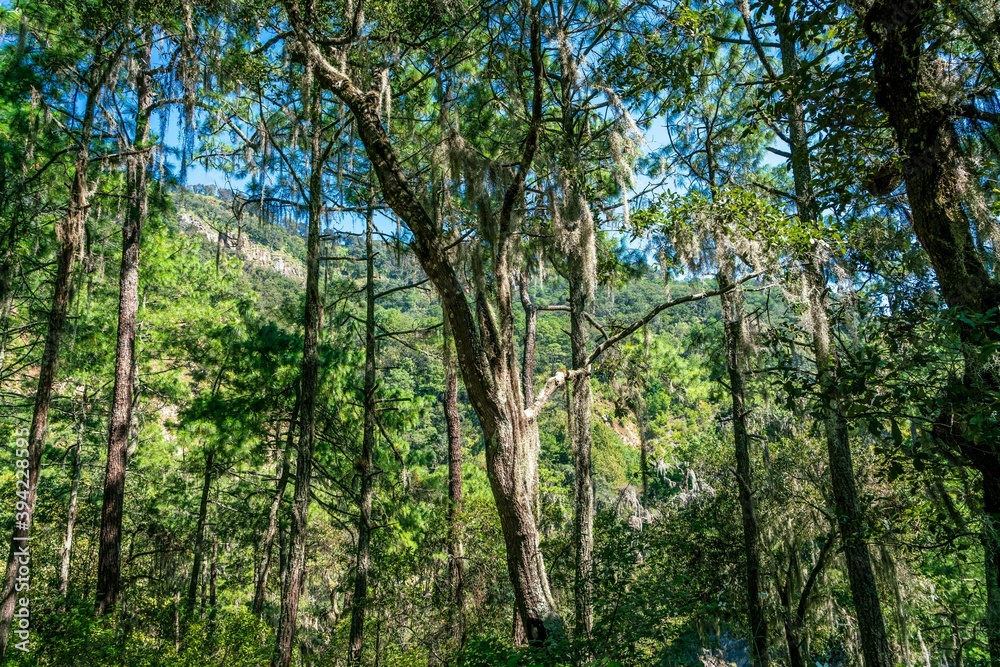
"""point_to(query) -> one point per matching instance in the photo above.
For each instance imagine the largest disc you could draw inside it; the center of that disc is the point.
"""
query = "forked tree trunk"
(119, 423)
(485, 352)
(69, 233)
(456, 552)
(309, 390)
(365, 468)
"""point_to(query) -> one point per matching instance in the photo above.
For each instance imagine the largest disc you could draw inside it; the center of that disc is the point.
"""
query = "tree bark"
(199, 533)
(732, 314)
(456, 552)
(907, 89)
(871, 624)
(578, 241)
(528, 386)
(309, 389)
(69, 234)
(485, 353)
(274, 514)
(119, 423)
(74, 495)
(850, 519)
(365, 468)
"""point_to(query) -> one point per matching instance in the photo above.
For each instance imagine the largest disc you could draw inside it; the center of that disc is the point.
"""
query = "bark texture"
(66, 552)
(120, 421)
(484, 340)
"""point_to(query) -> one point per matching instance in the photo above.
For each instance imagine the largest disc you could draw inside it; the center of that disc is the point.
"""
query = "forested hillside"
(395, 333)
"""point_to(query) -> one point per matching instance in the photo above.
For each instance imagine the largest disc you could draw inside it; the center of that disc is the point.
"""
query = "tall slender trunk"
(642, 416)
(582, 274)
(732, 314)
(792, 630)
(309, 390)
(199, 534)
(528, 385)
(864, 591)
(365, 469)
(871, 624)
(456, 552)
(69, 233)
(74, 495)
(274, 514)
(119, 423)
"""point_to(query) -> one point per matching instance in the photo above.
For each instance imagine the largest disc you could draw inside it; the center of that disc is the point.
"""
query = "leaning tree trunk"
(907, 88)
(359, 606)
(309, 390)
(485, 352)
(732, 314)
(871, 624)
(69, 233)
(456, 552)
(119, 423)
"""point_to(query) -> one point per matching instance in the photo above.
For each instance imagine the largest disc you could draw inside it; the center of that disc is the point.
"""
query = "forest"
(487, 333)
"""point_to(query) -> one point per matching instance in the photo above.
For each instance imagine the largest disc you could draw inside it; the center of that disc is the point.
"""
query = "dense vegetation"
(653, 332)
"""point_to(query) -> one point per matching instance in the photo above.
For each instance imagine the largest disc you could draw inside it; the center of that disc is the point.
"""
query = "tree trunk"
(273, 516)
(309, 389)
(213, 571)
(199, 533)
(69, 233)
(934, 176)
(74, 494)
(528, 386)
(871, 624)
(485, 354)
(792, 628)
(119, 423)
(456, 553)
(732, 314)
(642, 417)
(577, 230)
(365, 467)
